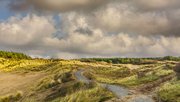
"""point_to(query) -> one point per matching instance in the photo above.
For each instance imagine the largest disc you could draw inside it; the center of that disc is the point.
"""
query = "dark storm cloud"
(20, 5)
(57, 5)
(84, 31)
(155, 5)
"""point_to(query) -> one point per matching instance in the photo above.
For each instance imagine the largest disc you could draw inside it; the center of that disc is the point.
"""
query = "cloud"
(57, 5)
(26, 34)
(152, 5)
(71, 5)
(19, 31)
(157, 17)
(121, 18)
(100, 43)
(105, 28)
(34, 35)
(115, 18)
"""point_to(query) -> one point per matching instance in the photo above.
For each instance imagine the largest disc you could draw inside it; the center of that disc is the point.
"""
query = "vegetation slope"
(53, 80)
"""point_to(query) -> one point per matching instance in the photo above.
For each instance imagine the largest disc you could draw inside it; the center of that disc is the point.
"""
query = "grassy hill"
(13, 55)
(41, 80)
(131, 60)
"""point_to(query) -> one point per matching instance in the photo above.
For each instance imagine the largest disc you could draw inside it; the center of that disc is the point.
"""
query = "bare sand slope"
(11, 82)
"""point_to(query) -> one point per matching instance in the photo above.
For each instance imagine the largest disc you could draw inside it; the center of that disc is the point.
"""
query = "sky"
(90, 28)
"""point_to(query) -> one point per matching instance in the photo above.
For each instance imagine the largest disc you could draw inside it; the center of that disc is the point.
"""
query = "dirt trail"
(119, 91)
(10, 83)
(152, 85)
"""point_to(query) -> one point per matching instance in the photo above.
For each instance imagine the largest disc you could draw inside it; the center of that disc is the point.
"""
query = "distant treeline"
(131, 60)
(13, 55)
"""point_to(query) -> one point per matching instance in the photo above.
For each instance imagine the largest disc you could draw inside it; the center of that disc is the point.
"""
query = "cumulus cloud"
(26, 34)
(122, 18)
(20, 33)
(120, 45)
(26, 30)
(99, 43)
(157, 17)
(105, 28)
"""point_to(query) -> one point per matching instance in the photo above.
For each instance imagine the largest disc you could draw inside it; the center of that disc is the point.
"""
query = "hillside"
(13, 55)
(41, 80)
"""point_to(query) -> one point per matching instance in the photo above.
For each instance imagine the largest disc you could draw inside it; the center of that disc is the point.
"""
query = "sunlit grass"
(11, 97)
(59, 75)
(170, 92)
(8, 65)
(96, 94)
(129, 78)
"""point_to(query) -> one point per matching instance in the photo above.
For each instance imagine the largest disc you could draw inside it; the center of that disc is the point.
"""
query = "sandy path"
(119, 91)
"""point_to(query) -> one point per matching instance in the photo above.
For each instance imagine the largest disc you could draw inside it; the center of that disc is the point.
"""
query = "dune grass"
(60, 85)
(11, 97)
(96, 94)
(170, 92)
(9, 65)
(127, 77)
